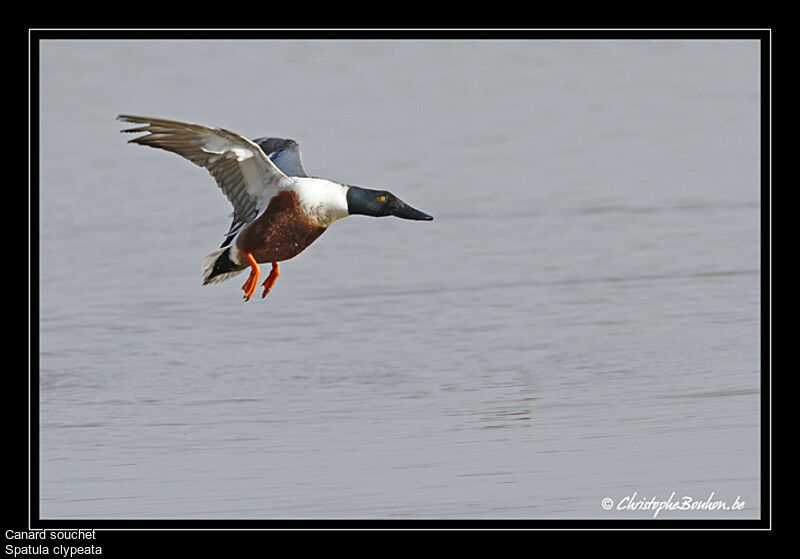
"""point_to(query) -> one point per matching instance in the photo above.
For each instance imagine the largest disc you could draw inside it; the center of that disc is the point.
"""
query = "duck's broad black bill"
(377, 203)
(407, 212)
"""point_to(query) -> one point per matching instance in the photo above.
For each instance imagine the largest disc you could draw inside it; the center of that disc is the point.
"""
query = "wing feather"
(247, 177)
(285, 154)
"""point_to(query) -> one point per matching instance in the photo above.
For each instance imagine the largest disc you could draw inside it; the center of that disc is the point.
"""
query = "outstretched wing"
(285, 154)
(242, 170)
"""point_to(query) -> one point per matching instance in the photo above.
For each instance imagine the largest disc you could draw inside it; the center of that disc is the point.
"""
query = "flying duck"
(278, 210)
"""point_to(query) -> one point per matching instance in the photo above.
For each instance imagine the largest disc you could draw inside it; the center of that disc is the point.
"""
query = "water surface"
(581, 320)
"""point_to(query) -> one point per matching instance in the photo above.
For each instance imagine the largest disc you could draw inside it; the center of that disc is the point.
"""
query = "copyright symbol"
(607, 503)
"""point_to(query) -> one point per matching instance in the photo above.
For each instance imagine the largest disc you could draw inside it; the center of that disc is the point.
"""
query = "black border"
(112, 529)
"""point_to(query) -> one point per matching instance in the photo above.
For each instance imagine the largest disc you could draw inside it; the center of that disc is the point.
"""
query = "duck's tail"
(220, 265)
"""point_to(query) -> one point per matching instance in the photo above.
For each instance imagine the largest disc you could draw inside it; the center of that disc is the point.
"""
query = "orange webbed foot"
(271, 279)
(249, 286)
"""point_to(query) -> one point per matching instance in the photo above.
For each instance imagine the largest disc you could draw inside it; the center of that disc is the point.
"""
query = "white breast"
(323, 200)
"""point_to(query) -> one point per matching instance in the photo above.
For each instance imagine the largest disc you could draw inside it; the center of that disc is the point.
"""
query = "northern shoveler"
(278, 210)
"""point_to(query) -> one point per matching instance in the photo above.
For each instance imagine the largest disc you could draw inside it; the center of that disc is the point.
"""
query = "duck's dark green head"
(378, 203)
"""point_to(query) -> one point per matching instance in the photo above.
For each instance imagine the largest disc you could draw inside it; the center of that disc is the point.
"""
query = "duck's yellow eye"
(382, 198)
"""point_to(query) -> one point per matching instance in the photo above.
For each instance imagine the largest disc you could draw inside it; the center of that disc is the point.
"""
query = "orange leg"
(249, 286)
(271, 279)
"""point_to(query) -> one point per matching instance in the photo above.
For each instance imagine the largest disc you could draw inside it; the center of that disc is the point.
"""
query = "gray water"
(580, 322)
